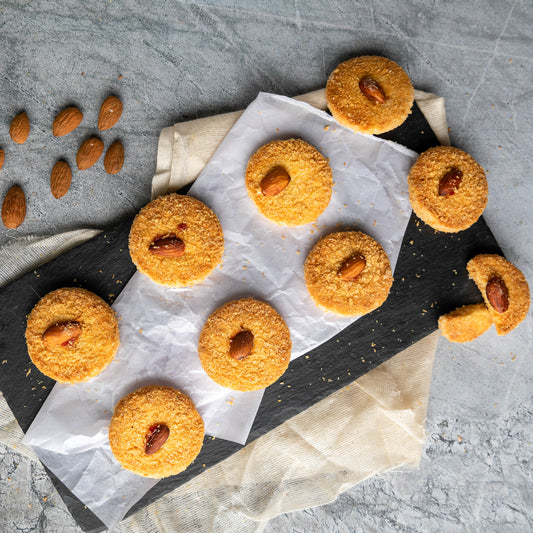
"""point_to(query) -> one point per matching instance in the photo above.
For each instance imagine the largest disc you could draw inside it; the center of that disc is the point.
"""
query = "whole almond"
(114, 158)
(372, 90)
(62, 334)
(60, 179)
(352, 267)
(110, 112)
(68, 120)
(2, 157)
(169, 246)
(157, 436)
(241, 345)
(89, 152)
(20, 128)
(275, 181)
(14, 208)
(450, 182)
(497, 294)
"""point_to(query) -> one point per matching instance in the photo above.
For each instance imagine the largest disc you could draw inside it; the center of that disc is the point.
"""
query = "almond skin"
(241, 345)
(352, 268)
(169, 246)
(372, 90)
(275, 181)
(450, 182)
(2, 157)
(68, 120)
(20, 128)
(60, 179)
(110, 112)
(89, 152)
(14, 208)
(497, 294)
(157, 436)
(62, 334)
(114, 158)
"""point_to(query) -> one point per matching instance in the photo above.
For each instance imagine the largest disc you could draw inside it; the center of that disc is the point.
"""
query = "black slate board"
(430, 279)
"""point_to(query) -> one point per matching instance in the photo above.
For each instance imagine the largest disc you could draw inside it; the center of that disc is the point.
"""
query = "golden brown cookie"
(370, 94)
(245, 345)
(289, 181)
(72, 335)
(156, 431)
(448, 190)
(176, 240)
(504, 289)
(466, 323)
(348, 273)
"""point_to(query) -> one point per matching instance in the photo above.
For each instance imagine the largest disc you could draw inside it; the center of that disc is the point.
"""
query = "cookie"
(504, 289)
(289, 181)
(447, 189)
(176, 240)
(466, 323)
(245, 345)
(348, 273)
(72, 335)
(370, 94)
(156, 431)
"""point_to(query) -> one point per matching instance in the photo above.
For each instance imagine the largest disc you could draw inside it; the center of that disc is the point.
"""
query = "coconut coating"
(353, 109)
(466, 323)
(92, 351)
(485, 266)
(137, 413)
(271, 350)
(309, 191)
(191, 221)
(331, 293)
(454, 212)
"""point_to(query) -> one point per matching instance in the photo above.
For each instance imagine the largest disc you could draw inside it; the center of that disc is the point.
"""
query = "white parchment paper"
(159, 327)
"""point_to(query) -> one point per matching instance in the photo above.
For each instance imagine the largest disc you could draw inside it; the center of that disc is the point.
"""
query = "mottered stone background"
(175, 61)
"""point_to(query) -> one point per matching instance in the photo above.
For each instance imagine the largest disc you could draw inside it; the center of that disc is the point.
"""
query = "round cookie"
(254, 366)
(141, 421)
(485, 268)
(330, 268)
(72, 335)
(309, 190)
(466, 323)
(176, 240)
(448, 190)
(369, 94)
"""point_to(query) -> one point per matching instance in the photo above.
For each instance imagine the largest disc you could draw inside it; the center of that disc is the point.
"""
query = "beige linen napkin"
(368, 427)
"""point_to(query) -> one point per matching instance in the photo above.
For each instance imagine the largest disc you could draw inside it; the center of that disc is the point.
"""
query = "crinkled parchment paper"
(159, 326)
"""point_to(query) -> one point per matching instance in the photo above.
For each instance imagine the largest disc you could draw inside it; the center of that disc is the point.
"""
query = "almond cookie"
(245, 345)
(348, 273)
(156, 431)
(466, 323)
(370, 94)
(72, 335)
(176, 240)
(504, 289)
(448, 190)
(289, 181)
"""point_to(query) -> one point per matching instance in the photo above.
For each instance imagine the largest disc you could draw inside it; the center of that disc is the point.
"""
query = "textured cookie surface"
(332, 293)
(482, 269)
(269, 357)
(90, 353)
(187, 219)
(349, 105)
(454, 212)
(131, 425)
(309, 190)
(466, 323)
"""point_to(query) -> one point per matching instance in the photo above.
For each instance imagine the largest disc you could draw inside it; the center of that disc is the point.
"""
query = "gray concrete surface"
(173, 61)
